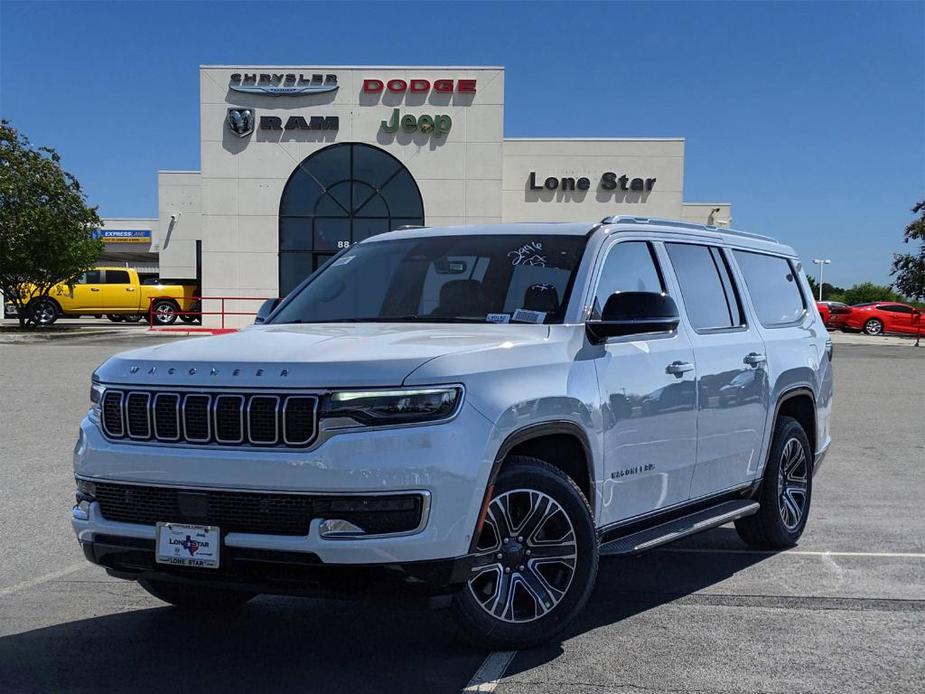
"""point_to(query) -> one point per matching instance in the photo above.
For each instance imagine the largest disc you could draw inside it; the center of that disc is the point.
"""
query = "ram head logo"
(241, 121)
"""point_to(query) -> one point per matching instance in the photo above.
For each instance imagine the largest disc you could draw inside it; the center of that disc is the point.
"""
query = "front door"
(650, 415)
(732, 380)
(85, 295)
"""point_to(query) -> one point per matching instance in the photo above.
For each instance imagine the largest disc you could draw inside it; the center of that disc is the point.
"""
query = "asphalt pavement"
(843, 612)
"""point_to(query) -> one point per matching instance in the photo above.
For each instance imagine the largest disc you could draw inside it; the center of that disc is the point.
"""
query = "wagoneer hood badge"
(310, 356)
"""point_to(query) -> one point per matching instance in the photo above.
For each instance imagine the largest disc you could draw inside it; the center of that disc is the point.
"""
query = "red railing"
(153, 324)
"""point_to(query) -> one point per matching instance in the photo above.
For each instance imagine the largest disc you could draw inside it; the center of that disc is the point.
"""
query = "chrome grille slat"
(196, 418)
(138, 415)
(262, 411)
(216, 418)
(112, 418)
(229, 420)
(167, 417)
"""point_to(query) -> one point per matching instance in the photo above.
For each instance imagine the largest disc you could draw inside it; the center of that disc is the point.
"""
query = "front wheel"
(535, 562)
(43, 311)
(873, 327)
(192, 597)
(786, 491)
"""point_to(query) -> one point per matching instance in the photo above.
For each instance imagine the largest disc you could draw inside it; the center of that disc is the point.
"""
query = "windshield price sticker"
(524, 315)
(498, 318)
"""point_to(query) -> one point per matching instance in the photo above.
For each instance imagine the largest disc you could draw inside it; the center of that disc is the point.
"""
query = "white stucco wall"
(661, 159)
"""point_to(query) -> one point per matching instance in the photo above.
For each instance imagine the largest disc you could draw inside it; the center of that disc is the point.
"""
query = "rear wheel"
(536, 559)
(193, 597)
(164, 312)
(873, 327)
(786, 491)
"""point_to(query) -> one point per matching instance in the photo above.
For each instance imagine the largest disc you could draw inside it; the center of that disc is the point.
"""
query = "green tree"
(909, 268)
(867, 292)
(46, 227)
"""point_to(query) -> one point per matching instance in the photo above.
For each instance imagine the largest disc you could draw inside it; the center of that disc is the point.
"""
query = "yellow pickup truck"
(118, 293)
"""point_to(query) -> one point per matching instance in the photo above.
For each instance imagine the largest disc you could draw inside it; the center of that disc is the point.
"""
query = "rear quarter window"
(774, 287)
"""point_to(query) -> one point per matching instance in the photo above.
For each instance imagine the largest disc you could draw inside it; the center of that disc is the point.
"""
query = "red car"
(833, 313)
(886, 317)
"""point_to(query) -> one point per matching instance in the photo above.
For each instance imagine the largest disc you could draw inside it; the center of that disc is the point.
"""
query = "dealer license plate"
(180, 544)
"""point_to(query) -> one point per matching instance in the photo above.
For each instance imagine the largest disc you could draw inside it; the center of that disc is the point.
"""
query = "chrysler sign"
(282, 84)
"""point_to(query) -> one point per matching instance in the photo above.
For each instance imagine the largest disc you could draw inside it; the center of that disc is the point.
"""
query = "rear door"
(732, 381)
(119, 292)
(649, 397)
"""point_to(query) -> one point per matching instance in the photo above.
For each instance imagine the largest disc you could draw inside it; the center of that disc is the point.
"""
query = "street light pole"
(820, 262)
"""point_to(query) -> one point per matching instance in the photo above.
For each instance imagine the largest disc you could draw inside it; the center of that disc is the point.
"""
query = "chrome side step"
(662, 534)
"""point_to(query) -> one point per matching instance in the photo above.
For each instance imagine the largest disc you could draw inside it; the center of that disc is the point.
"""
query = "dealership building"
(298, 162)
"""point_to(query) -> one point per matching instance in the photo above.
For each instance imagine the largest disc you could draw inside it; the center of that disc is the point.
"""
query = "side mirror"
(634, 313)
(266, 308)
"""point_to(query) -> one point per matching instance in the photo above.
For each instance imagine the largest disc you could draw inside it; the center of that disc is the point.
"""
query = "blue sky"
(809, 118)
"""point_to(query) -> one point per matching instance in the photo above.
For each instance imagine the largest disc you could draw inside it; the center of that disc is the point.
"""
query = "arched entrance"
(337, 196)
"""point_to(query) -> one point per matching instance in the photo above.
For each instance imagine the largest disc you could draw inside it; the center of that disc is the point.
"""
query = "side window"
(774, 287)
(629, 267)
(117, 277)
(710, 297)
(91, 277)
(895, 308)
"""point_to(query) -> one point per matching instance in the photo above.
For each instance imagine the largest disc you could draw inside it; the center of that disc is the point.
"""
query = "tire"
(874, 326)
(786, 491)
(163, 312)
(193, 597)
(132, 317)
(43, 311)
(114, 317)
(189, 320)
(545, 592)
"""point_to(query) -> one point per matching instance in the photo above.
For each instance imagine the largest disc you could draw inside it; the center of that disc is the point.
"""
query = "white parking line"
(486, 678)
(806, 553)
(32, 582)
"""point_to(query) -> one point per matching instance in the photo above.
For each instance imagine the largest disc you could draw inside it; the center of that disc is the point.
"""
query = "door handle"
(679, 368)
(94, 289)
(754, 359)
(130, 289)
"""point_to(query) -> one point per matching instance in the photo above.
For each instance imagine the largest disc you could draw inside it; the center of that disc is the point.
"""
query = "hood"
(310, 356)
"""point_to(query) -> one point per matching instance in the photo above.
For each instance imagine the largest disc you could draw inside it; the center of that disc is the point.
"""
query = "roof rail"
(405, 227)
(629, 219)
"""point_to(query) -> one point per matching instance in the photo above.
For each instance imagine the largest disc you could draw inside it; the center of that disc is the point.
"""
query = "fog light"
(81, 511)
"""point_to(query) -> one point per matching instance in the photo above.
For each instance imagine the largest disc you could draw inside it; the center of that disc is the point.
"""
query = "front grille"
(210, 418)
(256, 512)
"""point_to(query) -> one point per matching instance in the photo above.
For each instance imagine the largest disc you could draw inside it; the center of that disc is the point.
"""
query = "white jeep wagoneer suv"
(479, 412)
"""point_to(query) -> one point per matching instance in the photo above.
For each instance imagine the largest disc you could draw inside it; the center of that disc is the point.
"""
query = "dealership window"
(338, 196)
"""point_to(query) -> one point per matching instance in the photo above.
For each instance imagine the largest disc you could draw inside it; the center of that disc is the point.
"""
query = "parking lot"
(843, 612)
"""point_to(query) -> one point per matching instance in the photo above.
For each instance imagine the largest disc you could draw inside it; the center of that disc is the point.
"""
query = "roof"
(726, 235)
(616, 224)
(549, 228)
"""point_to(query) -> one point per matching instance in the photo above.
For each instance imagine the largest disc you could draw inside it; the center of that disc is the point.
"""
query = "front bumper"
(282, 573)
(449, 462)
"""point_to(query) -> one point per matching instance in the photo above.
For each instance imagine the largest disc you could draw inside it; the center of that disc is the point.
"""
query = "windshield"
(520, 278)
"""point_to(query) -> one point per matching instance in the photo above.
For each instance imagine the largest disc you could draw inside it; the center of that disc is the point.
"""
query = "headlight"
(383, 407)
(96, 398)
